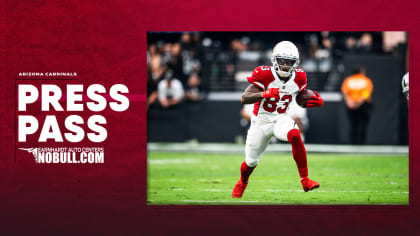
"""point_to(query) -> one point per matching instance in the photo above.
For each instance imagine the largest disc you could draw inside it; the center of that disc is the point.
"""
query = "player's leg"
(256, 142)
(360, 139)
(286, 129)
(353, 131)
(364, 121)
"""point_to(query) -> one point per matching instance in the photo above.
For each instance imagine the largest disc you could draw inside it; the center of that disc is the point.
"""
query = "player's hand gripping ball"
(271, 93)
(308, 98)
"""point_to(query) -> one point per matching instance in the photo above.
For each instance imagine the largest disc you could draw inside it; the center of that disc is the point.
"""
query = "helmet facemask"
(405, 85)
(284, 65)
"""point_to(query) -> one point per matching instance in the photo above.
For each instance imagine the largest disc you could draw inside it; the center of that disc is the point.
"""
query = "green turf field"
(204, 179)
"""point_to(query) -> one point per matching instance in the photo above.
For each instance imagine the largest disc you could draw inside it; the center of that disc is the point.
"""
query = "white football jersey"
(265, 77)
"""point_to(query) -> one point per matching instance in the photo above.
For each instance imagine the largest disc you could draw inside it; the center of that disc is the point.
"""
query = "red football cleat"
(308, 184)
(239, 189)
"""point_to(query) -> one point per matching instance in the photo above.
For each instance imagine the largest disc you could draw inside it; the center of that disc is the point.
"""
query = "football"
(303, 97)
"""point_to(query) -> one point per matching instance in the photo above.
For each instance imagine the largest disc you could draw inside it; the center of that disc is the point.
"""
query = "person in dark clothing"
(357, 90)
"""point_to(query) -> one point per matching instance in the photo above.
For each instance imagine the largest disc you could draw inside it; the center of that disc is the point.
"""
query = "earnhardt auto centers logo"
(63, 155)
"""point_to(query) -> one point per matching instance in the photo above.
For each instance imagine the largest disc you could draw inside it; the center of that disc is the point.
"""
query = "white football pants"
(259, 135)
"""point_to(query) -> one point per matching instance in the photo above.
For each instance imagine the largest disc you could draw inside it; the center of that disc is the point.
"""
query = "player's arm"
(302, 81)
(253, 94)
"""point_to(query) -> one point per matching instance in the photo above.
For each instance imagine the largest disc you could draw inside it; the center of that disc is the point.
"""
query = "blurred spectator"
(217, 57)
(152, 93)
(238, 45)
(170, 91)
(357, 90)
(186, 41)
(324, 53)
(366, 43)
(351, 44)
(325, 46)
(155, 62)
(180, 58)
(360, 44)
(326, 41)
(191, 63)
(391, 39)
(192, 92)
(166, 53)
(175, 61)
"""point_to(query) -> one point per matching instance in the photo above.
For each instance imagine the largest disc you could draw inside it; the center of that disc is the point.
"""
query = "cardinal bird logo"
(34, 152)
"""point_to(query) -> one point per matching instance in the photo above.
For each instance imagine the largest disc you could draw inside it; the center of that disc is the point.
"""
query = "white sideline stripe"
(331, 96)
(275, 148)
(224, 96)
(290, 190)
(323, 191)
(236, 96)
(288, 203)
(203, 201)
(172, 161)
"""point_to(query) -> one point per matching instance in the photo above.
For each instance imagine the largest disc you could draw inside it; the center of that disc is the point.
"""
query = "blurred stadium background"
(206, 131)
(221, 61)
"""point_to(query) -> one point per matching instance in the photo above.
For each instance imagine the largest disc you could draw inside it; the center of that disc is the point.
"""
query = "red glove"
(315, 101)
(271, 93)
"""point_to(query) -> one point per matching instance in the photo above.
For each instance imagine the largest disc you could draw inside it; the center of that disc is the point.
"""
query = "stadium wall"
(218, 120)
(389, 118)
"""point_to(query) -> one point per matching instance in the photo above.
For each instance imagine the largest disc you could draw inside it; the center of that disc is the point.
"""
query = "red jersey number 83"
(270, 105)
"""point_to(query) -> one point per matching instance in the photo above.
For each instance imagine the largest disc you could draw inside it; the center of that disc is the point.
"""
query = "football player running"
(271, 90)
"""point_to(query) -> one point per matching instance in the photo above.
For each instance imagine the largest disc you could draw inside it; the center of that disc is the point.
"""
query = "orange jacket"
(357, 88)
